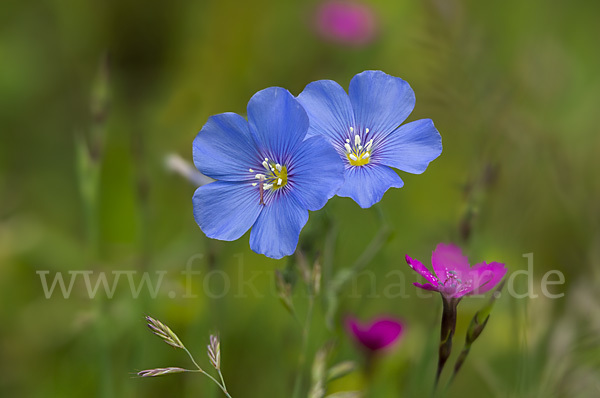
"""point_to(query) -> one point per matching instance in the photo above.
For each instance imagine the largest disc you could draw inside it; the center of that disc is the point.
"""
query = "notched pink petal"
(385, 332)
(487, 276)
(448, 260)
(421, 269)
(455, 278)
(427, 286)
(464, 290)
(379, 334)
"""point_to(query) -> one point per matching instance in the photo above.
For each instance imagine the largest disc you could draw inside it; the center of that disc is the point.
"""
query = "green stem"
(305, 333)
(222, 381)
(372, 249)
(342, 278)
(460, 361)
(221, 386)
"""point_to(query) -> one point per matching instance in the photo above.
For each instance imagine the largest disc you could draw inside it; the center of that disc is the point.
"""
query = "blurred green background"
(512, 86)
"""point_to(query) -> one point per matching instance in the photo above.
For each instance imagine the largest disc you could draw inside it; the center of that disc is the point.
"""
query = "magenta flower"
(379, 334)
(454, 278)
(345, 22)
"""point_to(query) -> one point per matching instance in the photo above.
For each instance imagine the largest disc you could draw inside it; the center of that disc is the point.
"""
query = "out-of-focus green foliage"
(512, 86)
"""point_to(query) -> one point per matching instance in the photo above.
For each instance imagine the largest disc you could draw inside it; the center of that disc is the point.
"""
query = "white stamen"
(278, 167)
(367, 131)
(369, 145)
(365, 155)
(266, 159)
(267, 186)
(353, 157)
(356, 140)
(351, 129)
(360, 147)
(272, 169)
(251, 171)
(254, 184)
(265, 165)
(279, 181)
(260, 176)
(348, 140)
(347, 146)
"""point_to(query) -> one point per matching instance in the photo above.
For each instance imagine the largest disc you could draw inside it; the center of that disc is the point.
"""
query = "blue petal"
(329, 110)
(278, 122)
(316, 173)
(411, 147)
(367, 184)
(224, 149)
(226, 210)
(381, 102)
(277, 229)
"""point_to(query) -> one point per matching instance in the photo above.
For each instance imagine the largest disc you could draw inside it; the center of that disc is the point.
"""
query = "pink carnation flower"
(454, 277)
(379, 334)
(346, 22)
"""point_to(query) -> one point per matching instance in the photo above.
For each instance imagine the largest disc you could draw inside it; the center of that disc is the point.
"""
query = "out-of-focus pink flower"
(454, 277)
(346, 22)
(379, 334)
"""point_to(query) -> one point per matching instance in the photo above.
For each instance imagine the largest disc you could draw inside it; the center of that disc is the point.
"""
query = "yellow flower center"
(275, 177)
(357, 154)
(278, 176)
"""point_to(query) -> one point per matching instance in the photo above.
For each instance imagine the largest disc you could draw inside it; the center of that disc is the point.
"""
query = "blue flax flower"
(268, 175)
(363, 127)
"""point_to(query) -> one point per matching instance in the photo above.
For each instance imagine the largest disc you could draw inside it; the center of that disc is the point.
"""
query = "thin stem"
(460, 361)
(213, 379)
(372, 249)
(192, 358)
(222, 381)
(446, 333)
(221, 386)
(305, 333)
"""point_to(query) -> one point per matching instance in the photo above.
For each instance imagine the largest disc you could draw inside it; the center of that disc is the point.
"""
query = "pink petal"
(427, 286)
(486, 276)
(346, 22)
(464, 290)
(421, 269)
(378, 334)
(448, 262)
